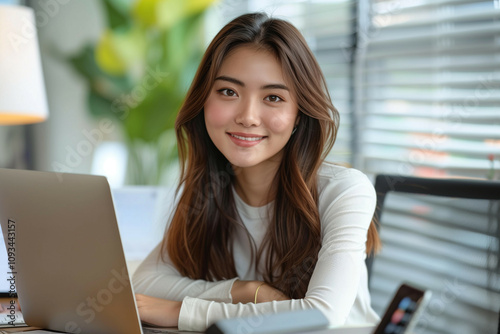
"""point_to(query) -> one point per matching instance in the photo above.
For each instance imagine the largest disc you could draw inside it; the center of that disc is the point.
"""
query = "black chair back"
(453, 188)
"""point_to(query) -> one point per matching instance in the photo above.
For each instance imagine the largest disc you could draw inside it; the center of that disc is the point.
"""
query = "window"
(427, 91)
(428, 87)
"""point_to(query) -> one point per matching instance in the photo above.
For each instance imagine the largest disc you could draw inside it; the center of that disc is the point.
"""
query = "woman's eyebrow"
(233, 80)
(242, 84)
(275, 86)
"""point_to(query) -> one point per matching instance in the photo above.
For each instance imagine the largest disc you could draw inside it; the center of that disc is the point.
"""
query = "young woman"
(262, 223)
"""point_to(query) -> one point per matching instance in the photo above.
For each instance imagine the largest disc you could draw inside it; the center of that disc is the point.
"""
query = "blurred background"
(417, 84)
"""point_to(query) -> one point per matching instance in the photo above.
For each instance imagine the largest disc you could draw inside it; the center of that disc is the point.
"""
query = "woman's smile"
(244, 139)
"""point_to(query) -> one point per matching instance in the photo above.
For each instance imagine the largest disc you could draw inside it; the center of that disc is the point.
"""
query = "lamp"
(22, 89)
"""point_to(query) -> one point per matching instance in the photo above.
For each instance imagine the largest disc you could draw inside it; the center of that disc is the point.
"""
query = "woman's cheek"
(281, 123)
(216, 114)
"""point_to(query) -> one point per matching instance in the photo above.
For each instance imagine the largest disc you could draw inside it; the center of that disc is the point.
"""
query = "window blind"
(427, 91)
(329, 27)
(428, 87)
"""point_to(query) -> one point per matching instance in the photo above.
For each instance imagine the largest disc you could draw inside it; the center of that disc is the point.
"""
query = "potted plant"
(138, 74)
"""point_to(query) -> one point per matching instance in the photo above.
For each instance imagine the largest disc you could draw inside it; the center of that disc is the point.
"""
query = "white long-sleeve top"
(338, 285)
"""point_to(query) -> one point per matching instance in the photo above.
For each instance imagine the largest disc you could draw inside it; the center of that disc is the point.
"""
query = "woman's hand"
(244, 292)
(157, 311)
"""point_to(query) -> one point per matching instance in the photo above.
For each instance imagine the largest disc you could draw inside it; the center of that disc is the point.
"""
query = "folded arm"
(162, 280)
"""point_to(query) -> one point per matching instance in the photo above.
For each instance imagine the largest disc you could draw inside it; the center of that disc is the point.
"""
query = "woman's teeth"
(248, 138)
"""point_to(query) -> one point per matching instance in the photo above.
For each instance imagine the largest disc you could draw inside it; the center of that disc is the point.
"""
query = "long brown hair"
(199, 239)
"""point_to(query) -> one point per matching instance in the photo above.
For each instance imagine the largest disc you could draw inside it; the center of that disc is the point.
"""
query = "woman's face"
(251, 111)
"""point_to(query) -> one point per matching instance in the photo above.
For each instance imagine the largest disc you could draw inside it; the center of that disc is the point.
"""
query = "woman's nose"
(248, 113)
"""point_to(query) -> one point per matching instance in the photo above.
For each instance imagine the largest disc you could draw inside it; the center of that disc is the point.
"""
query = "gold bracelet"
(257, 292)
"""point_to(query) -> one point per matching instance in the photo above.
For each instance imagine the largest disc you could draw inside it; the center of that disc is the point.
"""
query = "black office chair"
(427, 215)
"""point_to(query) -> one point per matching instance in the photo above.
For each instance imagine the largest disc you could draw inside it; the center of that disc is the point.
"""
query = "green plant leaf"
(116, 13)
(98, 105)
(108, 58)
(145, 11)
(155, 113)
(121, 52)
(171, 12)
(84, 63)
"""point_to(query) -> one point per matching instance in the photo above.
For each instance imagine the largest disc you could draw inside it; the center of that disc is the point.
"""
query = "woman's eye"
(274, 98)
(227, 92)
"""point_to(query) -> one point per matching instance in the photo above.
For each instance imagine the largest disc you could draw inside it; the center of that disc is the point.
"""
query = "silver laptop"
(65, 254)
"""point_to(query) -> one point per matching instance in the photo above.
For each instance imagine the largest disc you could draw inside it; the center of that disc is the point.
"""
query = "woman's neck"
(253, 184)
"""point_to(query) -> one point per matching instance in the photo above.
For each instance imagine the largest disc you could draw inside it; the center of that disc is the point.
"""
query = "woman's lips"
(245, 139)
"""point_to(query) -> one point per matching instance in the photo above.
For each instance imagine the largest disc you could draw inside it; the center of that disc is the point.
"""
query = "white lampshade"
(22, 89)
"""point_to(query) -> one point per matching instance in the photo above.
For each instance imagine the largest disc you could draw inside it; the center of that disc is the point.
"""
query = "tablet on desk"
(402, 313)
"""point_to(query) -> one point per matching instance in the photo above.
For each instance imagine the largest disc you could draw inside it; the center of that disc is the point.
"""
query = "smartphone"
(402, 313)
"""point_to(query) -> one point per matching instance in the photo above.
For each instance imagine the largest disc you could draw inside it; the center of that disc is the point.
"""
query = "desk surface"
(5, 302)
(358, 330)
